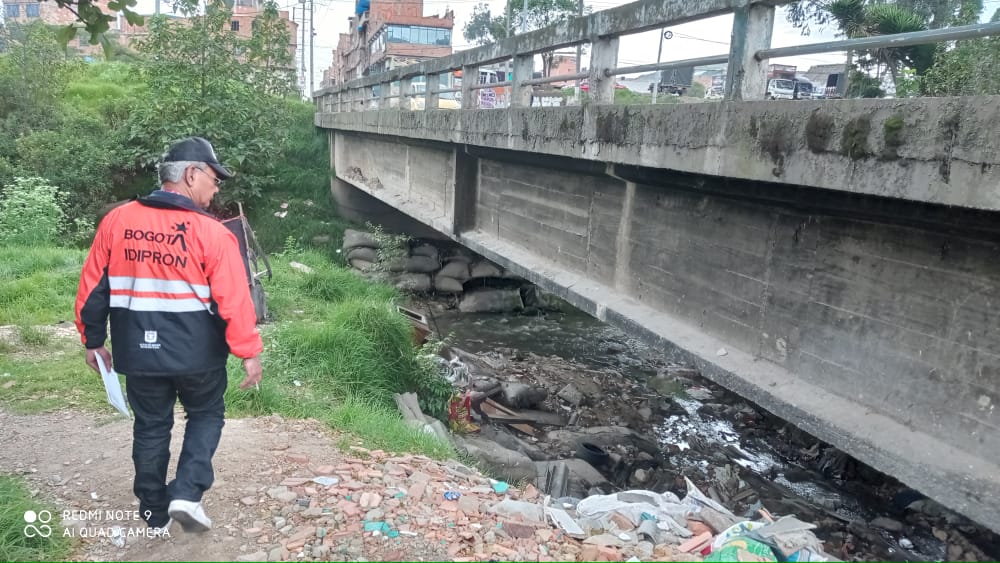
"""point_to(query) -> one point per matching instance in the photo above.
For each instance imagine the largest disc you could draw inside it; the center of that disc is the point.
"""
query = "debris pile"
(410, 507)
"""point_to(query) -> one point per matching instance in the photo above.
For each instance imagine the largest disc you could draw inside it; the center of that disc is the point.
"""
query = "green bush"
(30, 213)
(80, 159)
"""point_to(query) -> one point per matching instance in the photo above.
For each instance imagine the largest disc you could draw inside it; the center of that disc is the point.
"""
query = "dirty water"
(703, 430)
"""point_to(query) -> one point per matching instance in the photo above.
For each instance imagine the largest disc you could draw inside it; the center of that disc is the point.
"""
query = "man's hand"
(254, 372)
(92, 358)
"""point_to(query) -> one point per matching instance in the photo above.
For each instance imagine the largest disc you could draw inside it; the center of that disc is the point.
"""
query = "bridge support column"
(524, 66)
(466, 190)
(753, 25)
(603, 56)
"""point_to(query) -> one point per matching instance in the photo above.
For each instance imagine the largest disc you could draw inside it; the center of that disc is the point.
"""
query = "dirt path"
(71, 458)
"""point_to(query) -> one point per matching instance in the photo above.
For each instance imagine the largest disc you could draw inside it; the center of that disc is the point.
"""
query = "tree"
(95, 21)
(26, 93)
(205, 80)
(807, 14)
(484, 27)
(970, 68)
(862, 18)
(268, 50)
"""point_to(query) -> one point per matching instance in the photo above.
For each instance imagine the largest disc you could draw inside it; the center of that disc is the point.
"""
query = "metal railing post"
(746, 77)
(520, 94)
(431, 96)
(603, 57)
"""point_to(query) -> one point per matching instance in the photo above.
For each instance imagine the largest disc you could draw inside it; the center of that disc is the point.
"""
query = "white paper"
(113, 387)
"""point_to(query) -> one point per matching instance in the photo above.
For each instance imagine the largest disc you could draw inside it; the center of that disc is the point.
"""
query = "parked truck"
(674, 81)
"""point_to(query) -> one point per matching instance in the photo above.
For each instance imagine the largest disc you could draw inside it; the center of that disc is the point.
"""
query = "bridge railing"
(746, 75)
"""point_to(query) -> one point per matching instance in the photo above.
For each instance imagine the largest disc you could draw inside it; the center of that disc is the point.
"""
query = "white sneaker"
(190, 515)
(164, 530)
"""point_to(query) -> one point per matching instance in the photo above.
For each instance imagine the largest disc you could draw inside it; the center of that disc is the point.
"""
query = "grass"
(336, 351)
(38, 285)
(15, 502)
(306, 173)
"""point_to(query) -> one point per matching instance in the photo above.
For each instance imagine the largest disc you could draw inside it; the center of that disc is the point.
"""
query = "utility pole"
(303, 44)
(312, 33)
(579, 54)
(157, 7)
(659, 73)
(524, 17)
(510, 62)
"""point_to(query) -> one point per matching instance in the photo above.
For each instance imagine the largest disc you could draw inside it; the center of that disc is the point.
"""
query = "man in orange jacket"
(171, 279)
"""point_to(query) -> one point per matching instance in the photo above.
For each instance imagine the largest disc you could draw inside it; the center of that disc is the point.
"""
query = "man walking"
(171, 279)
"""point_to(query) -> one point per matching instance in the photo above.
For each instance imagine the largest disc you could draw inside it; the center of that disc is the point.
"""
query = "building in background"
(386, 34)
(28, 11)
(125, 34)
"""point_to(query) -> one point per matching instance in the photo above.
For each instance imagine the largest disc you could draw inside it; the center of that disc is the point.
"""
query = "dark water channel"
(706, 431)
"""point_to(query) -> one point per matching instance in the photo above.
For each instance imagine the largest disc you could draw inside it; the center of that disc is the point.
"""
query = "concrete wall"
(423, 174)
(936, 150)
(868, 321)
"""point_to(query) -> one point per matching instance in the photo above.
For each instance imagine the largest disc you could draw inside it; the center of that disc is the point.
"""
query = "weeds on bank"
(38, 284)
(336, 351)
(15, 545)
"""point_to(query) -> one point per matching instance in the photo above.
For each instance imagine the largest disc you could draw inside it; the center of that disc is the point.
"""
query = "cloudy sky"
(697, 39)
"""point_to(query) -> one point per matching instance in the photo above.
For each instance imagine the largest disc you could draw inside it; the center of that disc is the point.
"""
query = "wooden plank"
(491, 408)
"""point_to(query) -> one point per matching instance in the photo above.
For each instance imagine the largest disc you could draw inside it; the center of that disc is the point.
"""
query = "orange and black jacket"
(171, 279)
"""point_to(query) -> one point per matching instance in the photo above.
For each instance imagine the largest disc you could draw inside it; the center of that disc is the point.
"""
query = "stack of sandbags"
(361, 250)
(449, 279)
(408, 269)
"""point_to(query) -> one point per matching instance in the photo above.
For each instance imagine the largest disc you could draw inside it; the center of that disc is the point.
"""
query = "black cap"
(196, 149)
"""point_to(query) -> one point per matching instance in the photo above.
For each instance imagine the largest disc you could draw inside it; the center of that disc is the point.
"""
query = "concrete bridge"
(837, 261)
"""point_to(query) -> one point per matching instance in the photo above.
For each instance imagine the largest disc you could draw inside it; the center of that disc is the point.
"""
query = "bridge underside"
(869, 322)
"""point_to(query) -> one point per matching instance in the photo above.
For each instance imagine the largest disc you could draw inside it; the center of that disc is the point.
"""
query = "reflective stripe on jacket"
(173, 283)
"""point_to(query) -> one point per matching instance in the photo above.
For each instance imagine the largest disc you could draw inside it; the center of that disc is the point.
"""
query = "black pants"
(152, 400)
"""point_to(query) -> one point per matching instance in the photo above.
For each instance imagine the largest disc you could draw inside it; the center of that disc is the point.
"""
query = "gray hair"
(174, 171)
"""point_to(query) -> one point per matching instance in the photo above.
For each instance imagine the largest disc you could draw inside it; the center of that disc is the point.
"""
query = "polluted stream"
(740, 454)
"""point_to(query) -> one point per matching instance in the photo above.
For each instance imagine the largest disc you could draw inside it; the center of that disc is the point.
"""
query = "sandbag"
(491, 301)
(363, 253)
(413, 282)
(457, 269)
(422, 264)
(485, 269)
(427, 250)
(444, 284)
(363, 265)
(355, 239)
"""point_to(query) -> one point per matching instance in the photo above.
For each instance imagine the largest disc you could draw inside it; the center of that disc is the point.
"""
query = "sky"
(696, 39)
